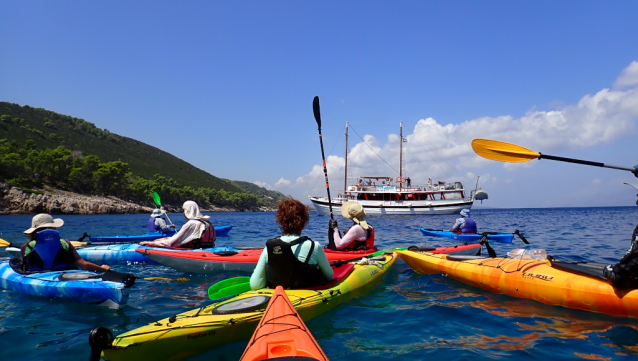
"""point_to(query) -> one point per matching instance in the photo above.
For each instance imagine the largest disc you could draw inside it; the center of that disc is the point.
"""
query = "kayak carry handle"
(520, 235)
(100, 338)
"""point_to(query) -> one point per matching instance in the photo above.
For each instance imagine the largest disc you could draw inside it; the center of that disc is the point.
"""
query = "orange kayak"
(281, 333)
(553, 283)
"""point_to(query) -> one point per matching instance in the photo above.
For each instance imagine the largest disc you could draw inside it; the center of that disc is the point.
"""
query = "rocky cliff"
(53, 201)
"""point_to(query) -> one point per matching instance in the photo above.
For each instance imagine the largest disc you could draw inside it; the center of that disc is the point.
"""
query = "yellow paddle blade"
(78, 244)
(4, 243)
(503, 152)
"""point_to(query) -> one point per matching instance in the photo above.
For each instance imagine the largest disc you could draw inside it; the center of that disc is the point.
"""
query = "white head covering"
(191, 211)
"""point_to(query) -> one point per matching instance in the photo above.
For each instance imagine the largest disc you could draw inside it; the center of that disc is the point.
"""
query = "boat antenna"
(345, 174)
(317, 113)
(401, 154)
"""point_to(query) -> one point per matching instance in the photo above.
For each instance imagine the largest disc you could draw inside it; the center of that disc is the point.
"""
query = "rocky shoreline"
(16, 201)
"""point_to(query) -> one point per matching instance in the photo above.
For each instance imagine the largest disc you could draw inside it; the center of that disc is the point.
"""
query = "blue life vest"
(48, 252)
(470, 226)
(152, 228)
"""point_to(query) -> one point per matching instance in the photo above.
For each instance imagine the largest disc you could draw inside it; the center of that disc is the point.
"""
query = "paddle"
(229, 287)
(157, 200)
(317, 113)
(506, 152)
(4, 243)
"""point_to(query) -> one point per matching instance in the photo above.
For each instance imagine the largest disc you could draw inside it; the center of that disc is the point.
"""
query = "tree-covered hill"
(50, 130)
(261, 192)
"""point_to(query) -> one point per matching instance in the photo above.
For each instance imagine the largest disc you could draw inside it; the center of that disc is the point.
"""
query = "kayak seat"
(580, 267)
(340, 273)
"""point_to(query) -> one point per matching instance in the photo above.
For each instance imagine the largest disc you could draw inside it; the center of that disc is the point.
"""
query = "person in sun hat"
(358, 237)
(465, 224)
(46, 251)
(291, 260)
(156, 223)
(198, 232)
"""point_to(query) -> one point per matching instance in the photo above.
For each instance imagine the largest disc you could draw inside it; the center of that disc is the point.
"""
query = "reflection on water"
(408, 317)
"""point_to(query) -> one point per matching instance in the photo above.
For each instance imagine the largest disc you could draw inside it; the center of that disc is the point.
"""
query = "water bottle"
(535, 254)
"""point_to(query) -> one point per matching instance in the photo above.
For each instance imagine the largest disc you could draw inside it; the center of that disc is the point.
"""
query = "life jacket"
(356, 245)
(152, 228)
(286, 270)
(206, 240)
(48, 253)
(470, 226)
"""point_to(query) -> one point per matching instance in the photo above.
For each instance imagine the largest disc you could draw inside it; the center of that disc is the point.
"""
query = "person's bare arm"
(92, 266)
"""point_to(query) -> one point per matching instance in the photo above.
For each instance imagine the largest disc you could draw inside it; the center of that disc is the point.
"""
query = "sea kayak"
(221, 231)
(80, 286)
(205, 261)
(576, 285)
(469, 237)
(236, 318)
(115, 254)
(282, 333)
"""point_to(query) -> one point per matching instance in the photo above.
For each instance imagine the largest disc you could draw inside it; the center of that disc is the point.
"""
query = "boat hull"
(452, 206)
(474, 237)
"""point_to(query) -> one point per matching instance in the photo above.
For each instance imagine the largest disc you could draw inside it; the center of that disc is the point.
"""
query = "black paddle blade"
(520, 235)
(100, 338)
(315, 110)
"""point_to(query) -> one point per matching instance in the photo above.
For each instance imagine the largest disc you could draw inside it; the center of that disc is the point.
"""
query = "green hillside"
(271, 196)
(49, 130)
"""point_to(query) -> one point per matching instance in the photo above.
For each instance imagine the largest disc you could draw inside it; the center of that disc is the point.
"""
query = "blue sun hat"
(465, 213)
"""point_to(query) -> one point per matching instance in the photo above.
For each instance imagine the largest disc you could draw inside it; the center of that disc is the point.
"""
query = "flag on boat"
(405, 140)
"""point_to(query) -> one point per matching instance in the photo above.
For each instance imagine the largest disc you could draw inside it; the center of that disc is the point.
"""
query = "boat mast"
(345, 175)
(401, 154)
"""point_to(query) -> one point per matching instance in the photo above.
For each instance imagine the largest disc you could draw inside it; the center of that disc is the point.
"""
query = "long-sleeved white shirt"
(356, 233)
(190, 231)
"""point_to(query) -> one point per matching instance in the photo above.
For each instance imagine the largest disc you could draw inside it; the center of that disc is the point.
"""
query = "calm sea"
(409, 317)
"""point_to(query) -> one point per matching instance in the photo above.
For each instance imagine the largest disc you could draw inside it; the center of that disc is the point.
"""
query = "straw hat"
(157, 212)
(44, 220)
(353, 210)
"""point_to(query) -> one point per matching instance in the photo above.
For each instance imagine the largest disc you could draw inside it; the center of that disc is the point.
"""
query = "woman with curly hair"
(291, 260)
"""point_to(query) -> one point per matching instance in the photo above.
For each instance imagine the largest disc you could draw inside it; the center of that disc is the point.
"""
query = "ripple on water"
(409, 316)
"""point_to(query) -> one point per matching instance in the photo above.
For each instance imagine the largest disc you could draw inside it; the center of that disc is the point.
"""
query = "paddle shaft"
(586, 162)
(317, 113)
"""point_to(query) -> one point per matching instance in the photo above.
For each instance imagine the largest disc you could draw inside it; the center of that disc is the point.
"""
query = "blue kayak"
(221, 231)
(469, 237)
(93, 291)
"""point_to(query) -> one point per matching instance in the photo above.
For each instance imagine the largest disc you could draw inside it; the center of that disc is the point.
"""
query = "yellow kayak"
(236, 318)
(567, 284)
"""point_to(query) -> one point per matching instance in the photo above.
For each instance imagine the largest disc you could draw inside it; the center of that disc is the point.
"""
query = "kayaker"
(291, 260)
(157, 223)
(46, 251)
(624, 273)
(465, 224)
(198, 232)
(358, 237)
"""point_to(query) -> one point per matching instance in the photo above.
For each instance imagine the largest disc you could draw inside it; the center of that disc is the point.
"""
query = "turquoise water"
(408, 317)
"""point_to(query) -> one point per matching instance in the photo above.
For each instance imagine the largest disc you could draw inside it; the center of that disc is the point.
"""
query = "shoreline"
(15, 201)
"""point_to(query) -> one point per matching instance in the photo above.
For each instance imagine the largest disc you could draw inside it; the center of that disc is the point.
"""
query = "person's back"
(465, 224)
(291, 260)
(47, 252)
(358, 237)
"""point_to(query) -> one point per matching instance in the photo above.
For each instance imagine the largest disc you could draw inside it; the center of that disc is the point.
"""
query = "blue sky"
(228, 87)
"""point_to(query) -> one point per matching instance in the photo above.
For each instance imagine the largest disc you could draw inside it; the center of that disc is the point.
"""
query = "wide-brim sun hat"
(44, 220)
(353, 210)
(157, 212)
(465, 213)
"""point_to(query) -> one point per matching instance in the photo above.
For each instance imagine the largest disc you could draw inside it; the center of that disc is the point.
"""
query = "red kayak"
(282, 334)
(244, 261)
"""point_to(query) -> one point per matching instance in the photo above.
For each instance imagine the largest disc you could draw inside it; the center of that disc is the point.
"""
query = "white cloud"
(596, 181)
(283, 183)
(444, 152)
(263, 184)
(628, 77)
